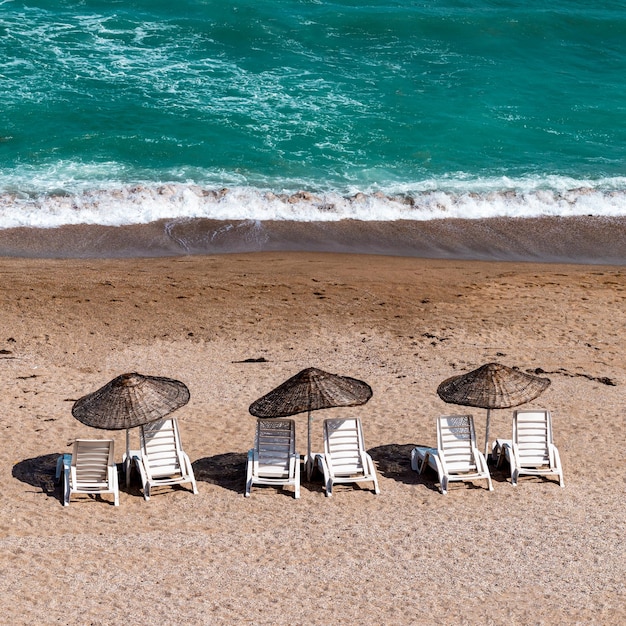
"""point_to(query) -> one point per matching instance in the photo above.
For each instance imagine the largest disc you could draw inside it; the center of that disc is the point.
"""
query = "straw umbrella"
(128, 401)
(492, 386)
(310, 390)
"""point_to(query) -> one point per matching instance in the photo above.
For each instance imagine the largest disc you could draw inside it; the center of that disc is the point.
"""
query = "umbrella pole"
(127, 459)
(487, 434)
(309, 460)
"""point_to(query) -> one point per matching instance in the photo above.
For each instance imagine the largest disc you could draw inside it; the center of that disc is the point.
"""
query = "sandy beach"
(232, 327)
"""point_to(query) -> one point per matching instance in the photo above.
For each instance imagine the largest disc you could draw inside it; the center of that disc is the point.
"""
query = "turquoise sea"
(124, 113)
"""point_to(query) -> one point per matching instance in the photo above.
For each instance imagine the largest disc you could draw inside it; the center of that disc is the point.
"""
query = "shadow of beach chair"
(90, 469)
(532, 450)
(274, 460)
(345, 459)
(161, 460)
(456, 457)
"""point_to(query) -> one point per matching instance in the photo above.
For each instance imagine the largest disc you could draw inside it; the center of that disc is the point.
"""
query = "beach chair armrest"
(480, 460)
(294, 459)
(555, 460)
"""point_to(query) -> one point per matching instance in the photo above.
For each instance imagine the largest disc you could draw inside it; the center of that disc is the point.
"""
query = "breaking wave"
(145, 203)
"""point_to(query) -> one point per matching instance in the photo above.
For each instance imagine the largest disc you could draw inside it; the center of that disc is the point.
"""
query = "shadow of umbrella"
(225, 470)
(394, 461)
(40, 472)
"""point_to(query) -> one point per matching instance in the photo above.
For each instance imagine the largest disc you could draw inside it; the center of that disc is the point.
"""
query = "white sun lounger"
(90, 469)
(274, 460)
(456, 457)
(161, 460)
(345, 459)
(532, 450)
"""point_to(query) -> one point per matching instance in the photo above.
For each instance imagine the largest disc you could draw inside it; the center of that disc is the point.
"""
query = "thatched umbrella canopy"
(310, 390)
(130, 400)
(492, 386)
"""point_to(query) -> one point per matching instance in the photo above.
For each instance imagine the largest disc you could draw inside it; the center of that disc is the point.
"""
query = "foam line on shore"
(550, 239)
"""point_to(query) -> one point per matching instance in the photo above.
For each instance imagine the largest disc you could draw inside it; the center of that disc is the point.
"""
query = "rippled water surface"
(124, 112)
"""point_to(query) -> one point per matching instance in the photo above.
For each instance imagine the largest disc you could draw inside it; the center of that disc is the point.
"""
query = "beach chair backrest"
(275, 443)
(456, 440)
(160, 447)
(91, 459)
(532, 432)
(343, 446)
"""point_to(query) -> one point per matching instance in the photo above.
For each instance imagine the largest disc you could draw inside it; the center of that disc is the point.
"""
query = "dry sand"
(534, 554)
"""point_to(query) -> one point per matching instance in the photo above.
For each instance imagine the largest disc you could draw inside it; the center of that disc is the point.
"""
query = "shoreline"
(580, 240)
(534, 553)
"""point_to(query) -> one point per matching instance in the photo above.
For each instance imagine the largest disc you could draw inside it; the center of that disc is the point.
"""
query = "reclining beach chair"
(274, 460)
(345, 459)
(89, 469)
(161, 460)
(532, 450)
(456, 458)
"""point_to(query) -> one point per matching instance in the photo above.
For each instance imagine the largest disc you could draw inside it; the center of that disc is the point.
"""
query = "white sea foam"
(144, 203)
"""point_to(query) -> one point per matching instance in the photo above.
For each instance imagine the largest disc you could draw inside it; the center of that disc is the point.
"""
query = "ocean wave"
(430, 200)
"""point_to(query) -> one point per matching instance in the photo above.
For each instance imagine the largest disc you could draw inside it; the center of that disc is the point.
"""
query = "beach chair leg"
(116, 488)
(66, 487)
(329, 488)
(297, 485)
